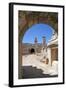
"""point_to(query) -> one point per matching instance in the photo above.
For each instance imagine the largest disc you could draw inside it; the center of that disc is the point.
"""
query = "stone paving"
(33, 68)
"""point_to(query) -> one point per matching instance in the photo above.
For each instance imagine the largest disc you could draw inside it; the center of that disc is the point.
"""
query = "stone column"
(20, 61)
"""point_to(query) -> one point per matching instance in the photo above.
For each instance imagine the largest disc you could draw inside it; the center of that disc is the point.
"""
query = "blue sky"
(37, 30)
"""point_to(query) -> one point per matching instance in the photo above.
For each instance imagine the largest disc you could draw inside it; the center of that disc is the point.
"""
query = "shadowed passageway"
(33, 72)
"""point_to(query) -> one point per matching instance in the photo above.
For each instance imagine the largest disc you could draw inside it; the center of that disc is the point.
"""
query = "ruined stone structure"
(28, 18)
(52, 48)
(36, 47)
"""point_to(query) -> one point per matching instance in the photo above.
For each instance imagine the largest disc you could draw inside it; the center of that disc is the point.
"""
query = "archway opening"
(26, 23)
(38, 30)
(32, 51)
(36, 36)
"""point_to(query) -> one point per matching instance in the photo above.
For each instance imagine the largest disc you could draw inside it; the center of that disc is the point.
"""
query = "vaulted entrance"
(32, 51)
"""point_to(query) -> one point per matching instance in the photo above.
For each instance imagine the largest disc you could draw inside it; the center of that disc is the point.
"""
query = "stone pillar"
(20, 61)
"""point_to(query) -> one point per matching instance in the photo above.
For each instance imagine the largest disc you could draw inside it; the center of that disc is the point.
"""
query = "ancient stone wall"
(26, 48)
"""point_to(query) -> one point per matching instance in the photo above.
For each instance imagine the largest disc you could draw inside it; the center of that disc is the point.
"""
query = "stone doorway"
(32, 50)
(54, 54)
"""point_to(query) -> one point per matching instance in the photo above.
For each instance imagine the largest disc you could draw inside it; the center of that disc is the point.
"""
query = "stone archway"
(28, 18)
(32, 50)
